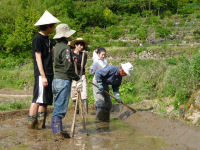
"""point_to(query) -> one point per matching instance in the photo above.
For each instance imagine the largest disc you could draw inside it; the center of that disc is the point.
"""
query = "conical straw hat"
(47, 18)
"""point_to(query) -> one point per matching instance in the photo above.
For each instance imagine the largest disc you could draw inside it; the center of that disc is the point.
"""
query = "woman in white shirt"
(99, 59)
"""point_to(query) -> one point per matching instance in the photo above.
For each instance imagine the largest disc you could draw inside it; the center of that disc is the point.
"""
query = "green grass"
(15, 105)
(17, 78)
(172, 73)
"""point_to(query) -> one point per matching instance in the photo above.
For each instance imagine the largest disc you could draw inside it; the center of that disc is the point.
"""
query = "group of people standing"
(65, 80)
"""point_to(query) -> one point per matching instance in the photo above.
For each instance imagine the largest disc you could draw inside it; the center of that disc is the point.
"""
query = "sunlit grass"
(15, 105)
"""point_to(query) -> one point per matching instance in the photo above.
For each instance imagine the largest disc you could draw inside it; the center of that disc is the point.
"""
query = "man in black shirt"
(79, 45)
(43, 71)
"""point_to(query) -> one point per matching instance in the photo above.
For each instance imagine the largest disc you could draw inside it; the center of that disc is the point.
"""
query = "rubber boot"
(102, 115)
(85, 105)
(41, 119)
(57, 129)
(32, 122)
(102, 119)
(74, 104)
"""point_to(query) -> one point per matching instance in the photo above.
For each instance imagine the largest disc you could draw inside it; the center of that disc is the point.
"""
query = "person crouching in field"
(43, 71)
(64, 74)
(110, 75)
(81, 57)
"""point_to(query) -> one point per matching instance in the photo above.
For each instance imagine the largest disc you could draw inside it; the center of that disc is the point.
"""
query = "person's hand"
(118, 98)
(100, 89)
(75, 59)
(44, 81)
(79, 86)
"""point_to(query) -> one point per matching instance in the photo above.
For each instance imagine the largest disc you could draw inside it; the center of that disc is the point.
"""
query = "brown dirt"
(141, 130)
(176, 133)
(16, 92)
(7, 96)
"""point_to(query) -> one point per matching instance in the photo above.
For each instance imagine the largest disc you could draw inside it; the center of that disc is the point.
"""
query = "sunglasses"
(80, 43)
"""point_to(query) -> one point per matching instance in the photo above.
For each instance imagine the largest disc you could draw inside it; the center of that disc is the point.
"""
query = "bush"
(142, 33)
(128, 92)
(196, 34)
(116, 33)
(147, 75)
(11, 62)
(171, 61)
(168, 13)
(152, 20)
(170, 23)
(169, 90)
(21, 39)
(139, 50)
(181, 98)
(162, 32)
(188, 8)
(109, 17)
(179, 78)
(196, 65)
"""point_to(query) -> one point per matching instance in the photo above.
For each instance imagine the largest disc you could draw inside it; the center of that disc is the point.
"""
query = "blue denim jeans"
(61, 90)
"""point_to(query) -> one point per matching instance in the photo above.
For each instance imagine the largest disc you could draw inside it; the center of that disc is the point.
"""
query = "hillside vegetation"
(160, 37)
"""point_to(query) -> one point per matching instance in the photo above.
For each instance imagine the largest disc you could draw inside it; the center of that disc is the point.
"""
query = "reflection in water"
(102, 126)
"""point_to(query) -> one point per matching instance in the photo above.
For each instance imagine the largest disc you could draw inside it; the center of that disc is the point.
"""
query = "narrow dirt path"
(7, 96)
(5, 93)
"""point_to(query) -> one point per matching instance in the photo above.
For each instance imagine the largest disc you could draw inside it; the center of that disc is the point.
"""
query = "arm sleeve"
(66, 58)
(101, 74)
(115, 89)
(37, 42)
(94, 67)
(68, 61)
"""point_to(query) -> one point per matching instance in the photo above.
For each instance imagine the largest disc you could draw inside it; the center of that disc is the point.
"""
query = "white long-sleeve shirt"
(97, 63)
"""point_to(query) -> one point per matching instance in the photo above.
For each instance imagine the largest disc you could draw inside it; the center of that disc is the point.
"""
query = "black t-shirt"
(42, 44)
(79, 60)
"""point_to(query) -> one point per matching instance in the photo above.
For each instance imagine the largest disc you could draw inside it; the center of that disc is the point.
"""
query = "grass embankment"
(164, 53)
(15, 104)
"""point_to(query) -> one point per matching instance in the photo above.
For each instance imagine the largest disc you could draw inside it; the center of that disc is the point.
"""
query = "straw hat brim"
(64, 34)
(77, 41)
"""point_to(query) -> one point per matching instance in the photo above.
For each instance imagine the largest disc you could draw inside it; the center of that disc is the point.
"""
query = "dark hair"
(62, 39)
(81, 43)
(100, 49)
(44, 27)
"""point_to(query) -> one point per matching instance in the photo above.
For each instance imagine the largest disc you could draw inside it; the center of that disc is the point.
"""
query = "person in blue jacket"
(110, 75)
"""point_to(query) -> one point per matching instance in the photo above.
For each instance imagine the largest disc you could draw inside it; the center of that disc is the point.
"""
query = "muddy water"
(126, 132)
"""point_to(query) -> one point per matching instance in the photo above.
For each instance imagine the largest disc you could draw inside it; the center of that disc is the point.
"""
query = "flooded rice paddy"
(125, 131)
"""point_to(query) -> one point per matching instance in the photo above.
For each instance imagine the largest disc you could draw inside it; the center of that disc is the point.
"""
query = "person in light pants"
(81, 57)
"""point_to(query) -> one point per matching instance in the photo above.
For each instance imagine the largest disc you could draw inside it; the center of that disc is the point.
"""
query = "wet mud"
(142, 130)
